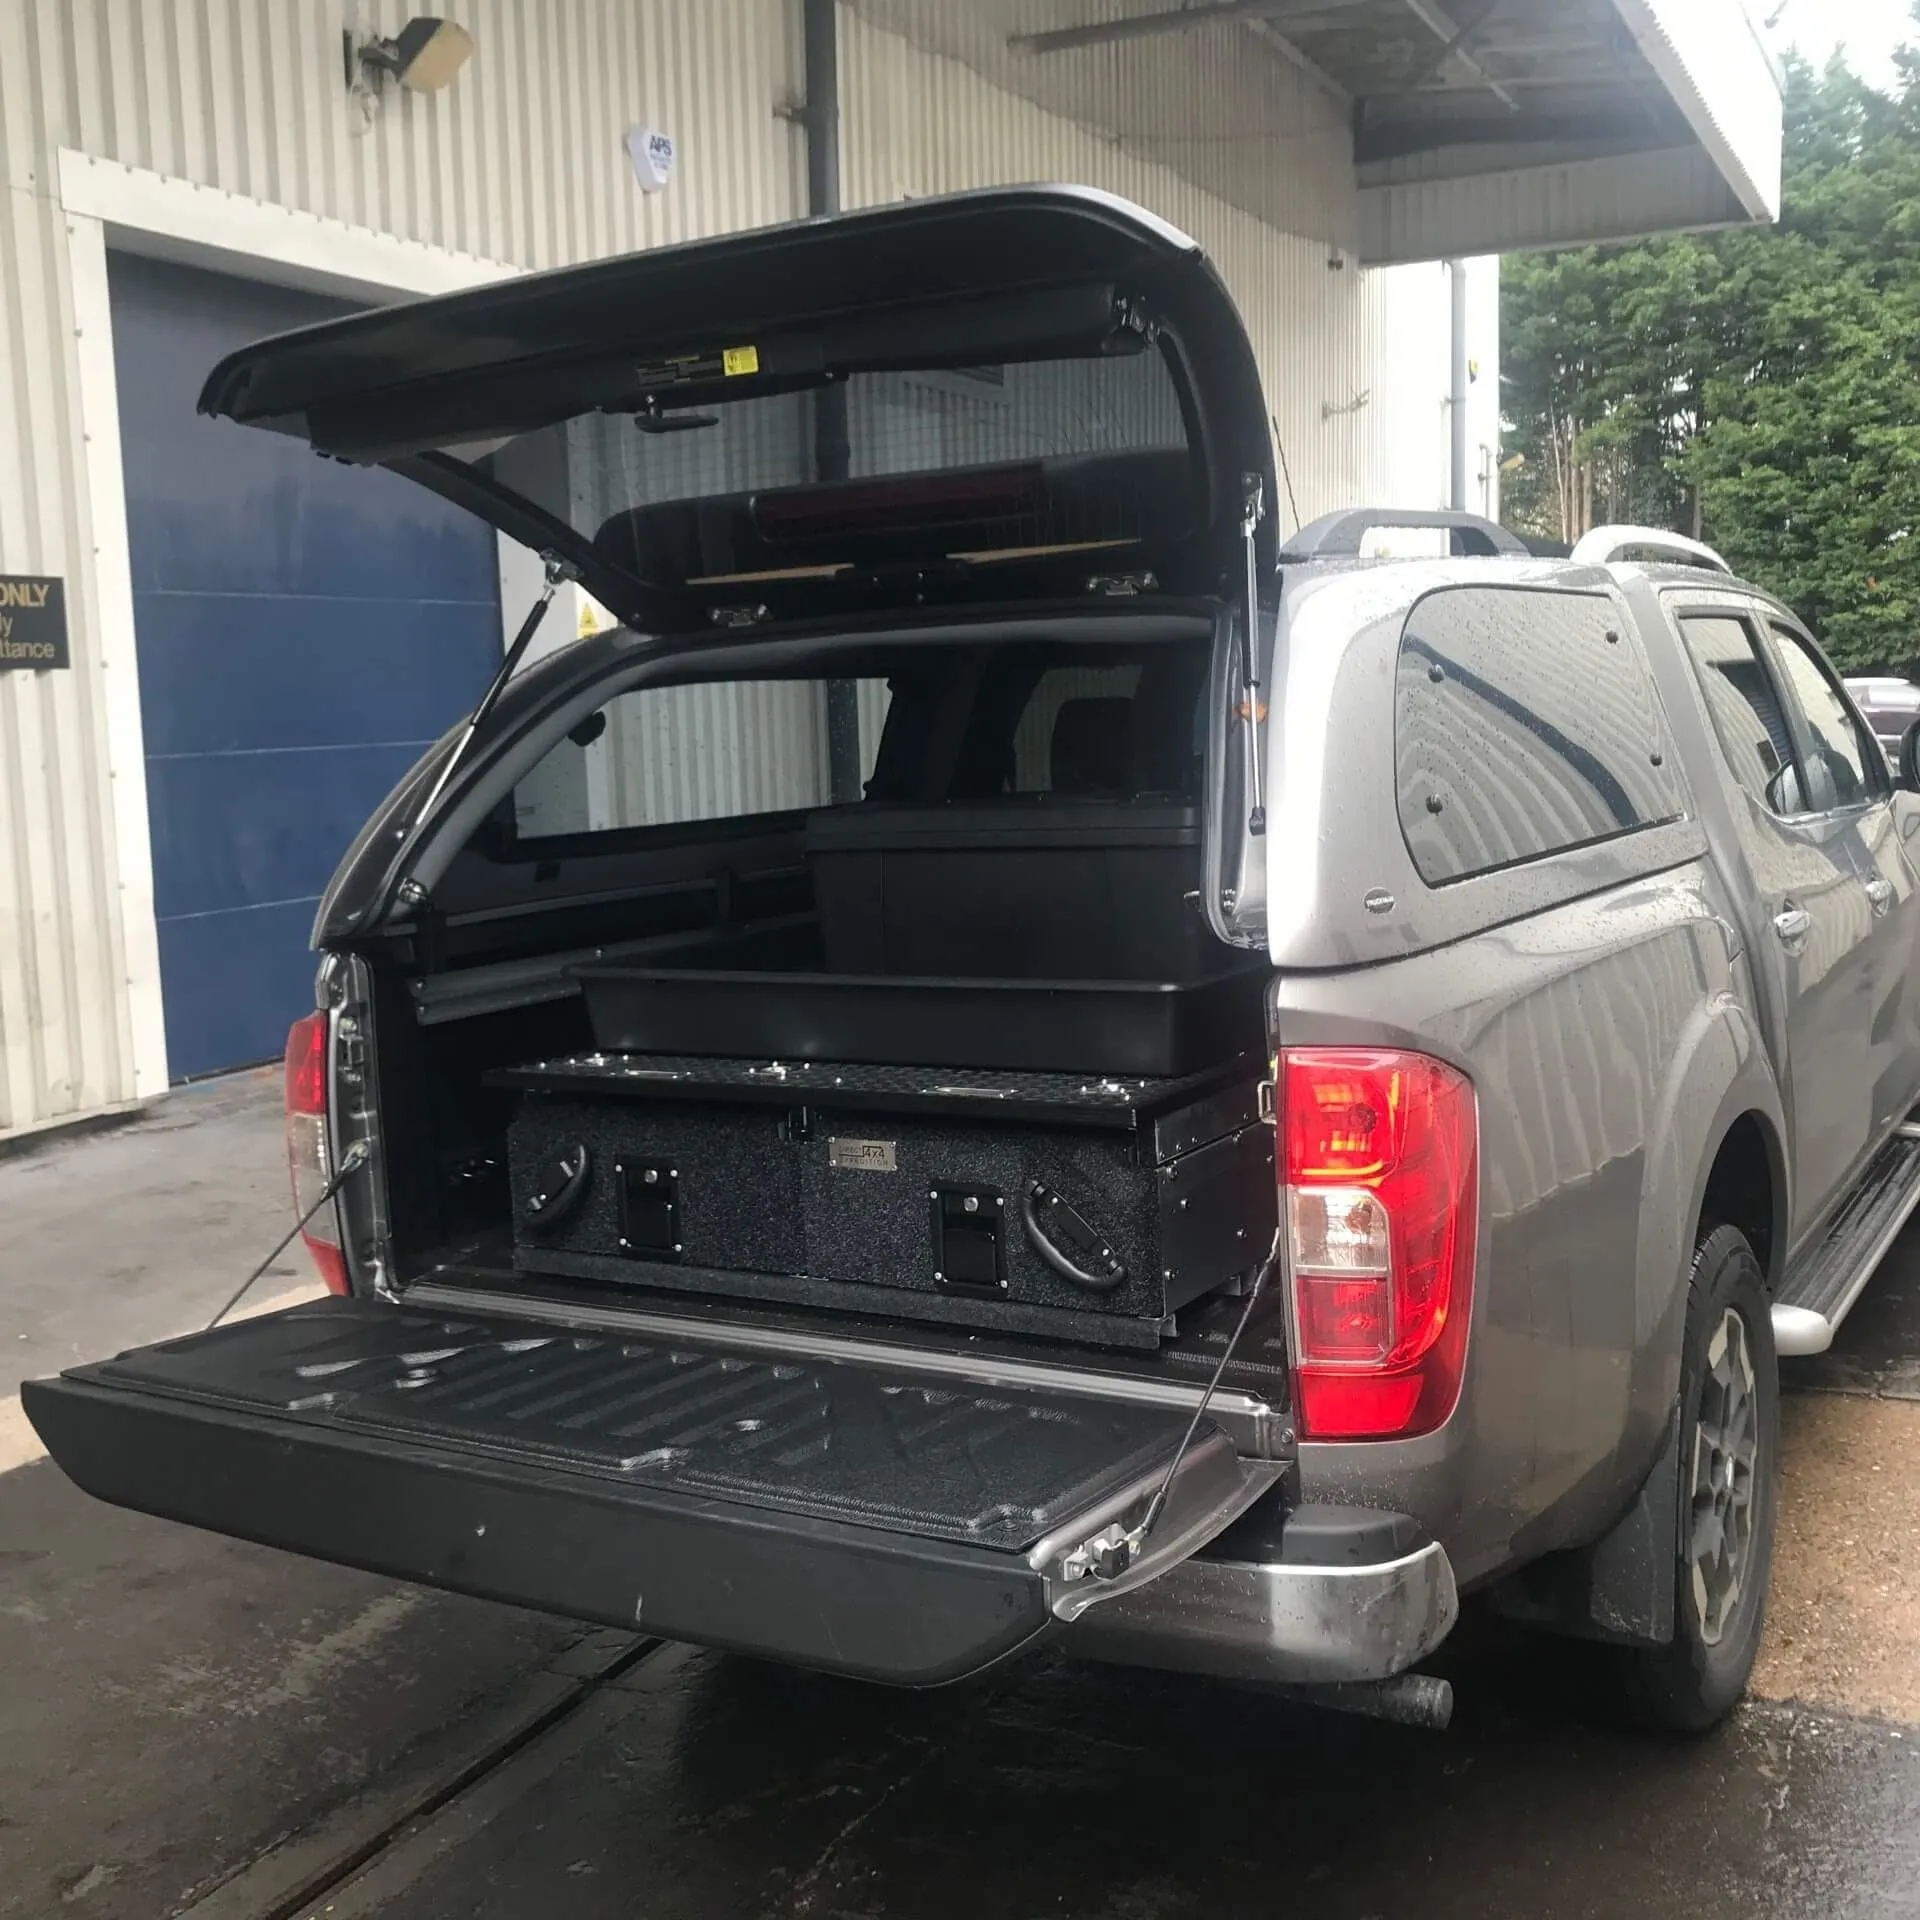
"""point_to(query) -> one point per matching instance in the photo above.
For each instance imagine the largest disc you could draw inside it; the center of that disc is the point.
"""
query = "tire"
(1729, 1498)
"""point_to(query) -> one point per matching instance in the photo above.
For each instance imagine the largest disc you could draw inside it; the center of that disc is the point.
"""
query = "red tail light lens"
(1379, 1159)
(309, 1159)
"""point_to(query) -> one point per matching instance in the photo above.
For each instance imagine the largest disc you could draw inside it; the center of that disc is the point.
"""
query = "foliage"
(1757, 387)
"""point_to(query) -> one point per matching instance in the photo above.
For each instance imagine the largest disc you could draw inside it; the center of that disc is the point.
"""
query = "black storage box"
(1037, 935)
(1159, 1029)
(1028, 1202)
(1031, 888)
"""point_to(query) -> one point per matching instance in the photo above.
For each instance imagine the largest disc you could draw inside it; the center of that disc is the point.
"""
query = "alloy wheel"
(1726, 1447)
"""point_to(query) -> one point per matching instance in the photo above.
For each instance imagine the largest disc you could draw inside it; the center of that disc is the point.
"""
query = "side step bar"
(1822, 1285)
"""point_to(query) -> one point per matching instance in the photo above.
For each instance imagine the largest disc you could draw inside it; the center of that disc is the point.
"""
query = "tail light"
(1378, 1156)
(308, 1156)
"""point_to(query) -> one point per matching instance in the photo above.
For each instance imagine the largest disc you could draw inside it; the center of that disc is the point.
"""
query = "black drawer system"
(1030, 1202)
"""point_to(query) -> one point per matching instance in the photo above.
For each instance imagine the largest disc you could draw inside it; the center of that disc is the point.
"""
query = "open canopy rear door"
(997, 395)
(898, 1527)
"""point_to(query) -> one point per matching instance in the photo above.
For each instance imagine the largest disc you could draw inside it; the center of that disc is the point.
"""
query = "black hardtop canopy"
(982, 395)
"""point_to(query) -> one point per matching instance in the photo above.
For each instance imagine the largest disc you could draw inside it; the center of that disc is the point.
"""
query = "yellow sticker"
(740, 360)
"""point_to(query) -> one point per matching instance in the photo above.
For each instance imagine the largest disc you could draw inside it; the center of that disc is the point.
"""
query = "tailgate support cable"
(1125, 1551)
(351, 1162)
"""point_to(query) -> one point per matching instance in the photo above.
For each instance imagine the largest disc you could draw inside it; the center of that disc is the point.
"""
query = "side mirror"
(1908, 765)
(1783, 792)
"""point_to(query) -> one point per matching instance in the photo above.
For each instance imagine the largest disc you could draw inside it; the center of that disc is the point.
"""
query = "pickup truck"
(1018, 1056)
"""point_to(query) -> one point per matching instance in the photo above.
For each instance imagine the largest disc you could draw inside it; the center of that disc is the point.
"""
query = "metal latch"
(1263, 1099)
(1123, 586)
(349, 1048)
(1104, 1557)
(736, 616)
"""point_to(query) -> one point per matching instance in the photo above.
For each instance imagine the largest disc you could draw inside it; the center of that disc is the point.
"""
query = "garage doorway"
(303, 631)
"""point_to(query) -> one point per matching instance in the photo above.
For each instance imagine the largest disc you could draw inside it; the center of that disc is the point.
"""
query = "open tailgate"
(880, 1523)
(1005, 395)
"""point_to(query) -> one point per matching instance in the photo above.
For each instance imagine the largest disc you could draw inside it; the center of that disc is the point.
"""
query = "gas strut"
(1253, 511)
(557, 570)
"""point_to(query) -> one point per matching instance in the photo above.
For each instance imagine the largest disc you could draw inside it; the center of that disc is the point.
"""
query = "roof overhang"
(1676, 124)
(1404, 130)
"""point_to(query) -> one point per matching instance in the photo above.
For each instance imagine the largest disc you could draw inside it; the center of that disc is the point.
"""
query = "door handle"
(1879, 896)
(1793, 924)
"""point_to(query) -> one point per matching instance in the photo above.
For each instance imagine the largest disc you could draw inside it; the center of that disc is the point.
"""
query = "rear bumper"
(1279, 1622)
(890, 1606)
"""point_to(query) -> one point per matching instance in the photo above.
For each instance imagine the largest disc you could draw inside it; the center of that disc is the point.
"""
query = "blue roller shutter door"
(304, 629)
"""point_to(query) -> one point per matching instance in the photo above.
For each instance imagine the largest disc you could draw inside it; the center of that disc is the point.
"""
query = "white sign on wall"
(652, 155)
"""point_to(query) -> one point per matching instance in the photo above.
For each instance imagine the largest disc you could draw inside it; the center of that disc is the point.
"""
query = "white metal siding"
(520, 162)
(1354, 364)
(1542, 206)
(1216, 103)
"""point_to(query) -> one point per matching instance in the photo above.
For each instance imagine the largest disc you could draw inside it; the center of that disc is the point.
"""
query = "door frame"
(107, 204)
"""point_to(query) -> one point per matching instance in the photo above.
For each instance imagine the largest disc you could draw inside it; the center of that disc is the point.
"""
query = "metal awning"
(1472, 126)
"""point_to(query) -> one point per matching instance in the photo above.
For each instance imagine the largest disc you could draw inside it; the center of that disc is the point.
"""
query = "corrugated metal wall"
(1215, 102)
(1355, 364)
(521, 162)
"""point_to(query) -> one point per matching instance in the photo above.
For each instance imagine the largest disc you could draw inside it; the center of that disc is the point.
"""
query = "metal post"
(832, 456)
(1458, 498)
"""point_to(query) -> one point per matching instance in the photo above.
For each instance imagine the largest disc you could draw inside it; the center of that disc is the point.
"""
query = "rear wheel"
(1729, 1497)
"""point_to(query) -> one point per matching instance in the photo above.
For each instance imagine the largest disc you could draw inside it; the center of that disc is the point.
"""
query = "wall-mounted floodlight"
(424, 55)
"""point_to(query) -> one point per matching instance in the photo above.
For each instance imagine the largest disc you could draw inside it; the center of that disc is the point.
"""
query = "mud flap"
(1620, 1589)
(878, 1523)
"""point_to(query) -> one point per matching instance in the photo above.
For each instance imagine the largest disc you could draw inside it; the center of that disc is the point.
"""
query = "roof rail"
(1340, 536)
(1605, 544)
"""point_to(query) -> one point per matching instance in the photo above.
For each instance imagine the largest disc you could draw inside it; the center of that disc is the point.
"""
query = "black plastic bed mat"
(942, 1461)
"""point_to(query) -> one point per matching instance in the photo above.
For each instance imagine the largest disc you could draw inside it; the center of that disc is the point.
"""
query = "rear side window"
(1525, 724)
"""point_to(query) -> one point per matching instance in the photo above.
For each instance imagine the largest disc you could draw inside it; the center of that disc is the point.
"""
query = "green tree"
(1760, 388)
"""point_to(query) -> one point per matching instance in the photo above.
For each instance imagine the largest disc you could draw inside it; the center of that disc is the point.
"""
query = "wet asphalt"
(714, 1787)
(195, 1726)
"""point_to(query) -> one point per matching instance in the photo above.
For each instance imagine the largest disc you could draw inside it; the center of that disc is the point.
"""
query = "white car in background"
(1891, 705)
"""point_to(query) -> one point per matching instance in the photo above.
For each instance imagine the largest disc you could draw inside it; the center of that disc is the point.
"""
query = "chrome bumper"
(1295, 1625)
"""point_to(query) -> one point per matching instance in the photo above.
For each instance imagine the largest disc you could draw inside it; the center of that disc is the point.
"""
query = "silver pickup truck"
(1014, 1054)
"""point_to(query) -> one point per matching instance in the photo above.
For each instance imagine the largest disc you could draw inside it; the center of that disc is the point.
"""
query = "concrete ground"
(140, 1231)
(194, 1726)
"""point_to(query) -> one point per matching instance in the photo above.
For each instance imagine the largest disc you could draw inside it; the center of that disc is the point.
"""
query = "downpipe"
(1460, 383)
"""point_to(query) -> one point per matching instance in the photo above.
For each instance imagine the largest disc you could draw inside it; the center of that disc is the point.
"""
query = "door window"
(1747, 714)
(1844, 769)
